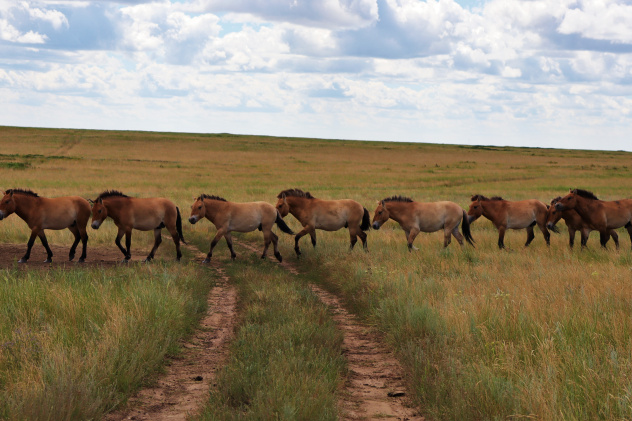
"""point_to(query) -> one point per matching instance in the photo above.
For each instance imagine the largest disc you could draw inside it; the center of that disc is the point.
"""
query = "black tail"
(465, 227)
(366, 221)
(179, 225)
(281, 224)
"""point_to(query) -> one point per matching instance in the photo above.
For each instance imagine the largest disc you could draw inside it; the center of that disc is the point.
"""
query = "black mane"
(481, 197)
(295, 193)
(557, 199)
(585, 194)
(110, 193)
(22, 191)
(211, 197)
(398, 199)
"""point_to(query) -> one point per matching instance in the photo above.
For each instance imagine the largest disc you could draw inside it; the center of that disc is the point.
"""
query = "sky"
(544, 73)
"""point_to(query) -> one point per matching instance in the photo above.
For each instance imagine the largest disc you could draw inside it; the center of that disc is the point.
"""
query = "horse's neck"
(213, 209)
(492, 208)
(396, 210)
(24, 205)
(114, 207)
(297, 207)
(585, 208)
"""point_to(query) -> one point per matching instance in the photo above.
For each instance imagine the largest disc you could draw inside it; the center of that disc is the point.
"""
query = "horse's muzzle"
(193, 220)
(95, 225)
(1, 215)
(550, 225)
(376, 226)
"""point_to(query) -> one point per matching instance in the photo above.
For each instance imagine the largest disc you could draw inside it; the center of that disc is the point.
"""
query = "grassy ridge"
(74, 344)
(285, 361)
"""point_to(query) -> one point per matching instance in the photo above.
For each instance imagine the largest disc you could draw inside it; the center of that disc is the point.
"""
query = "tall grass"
(74, 344)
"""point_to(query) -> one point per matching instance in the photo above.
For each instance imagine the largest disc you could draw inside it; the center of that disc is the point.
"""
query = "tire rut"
(375, 387)
(184, 388)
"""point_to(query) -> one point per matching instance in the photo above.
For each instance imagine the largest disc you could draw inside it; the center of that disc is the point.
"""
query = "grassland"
(538, 332)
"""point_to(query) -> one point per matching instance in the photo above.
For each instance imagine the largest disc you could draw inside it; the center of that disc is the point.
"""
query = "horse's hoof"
(207, 260)
(23, 260)
(72, 256)
(279, 257)
(147, 260)
(125, 260)
(263, 256)
(49, 260)
(81, 260)
(233, 257)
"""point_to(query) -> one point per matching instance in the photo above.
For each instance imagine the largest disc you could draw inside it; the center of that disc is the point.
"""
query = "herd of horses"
(581, 210)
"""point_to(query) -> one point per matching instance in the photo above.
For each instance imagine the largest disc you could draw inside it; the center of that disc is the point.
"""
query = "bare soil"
(184, 387)
(97, 256)
(375, 387)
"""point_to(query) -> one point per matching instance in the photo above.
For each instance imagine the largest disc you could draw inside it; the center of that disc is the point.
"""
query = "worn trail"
(374, 388)
(184, 388)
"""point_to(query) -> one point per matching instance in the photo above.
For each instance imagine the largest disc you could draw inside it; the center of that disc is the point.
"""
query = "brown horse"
(510, 215)
(239, 217)
(327, 215)
(142, 214)
(574, 222)
(416, 217)
(599, 215)
(41, 213)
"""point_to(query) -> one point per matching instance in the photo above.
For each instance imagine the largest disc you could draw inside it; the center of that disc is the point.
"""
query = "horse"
(416, 217)
(599, 215)
(327, 215)
(506, 214)
(240, 217)
(143, 214)
(574, 222)
(41, 213)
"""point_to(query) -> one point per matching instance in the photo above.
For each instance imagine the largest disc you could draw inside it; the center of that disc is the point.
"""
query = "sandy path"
(374, 388)
(184, 388)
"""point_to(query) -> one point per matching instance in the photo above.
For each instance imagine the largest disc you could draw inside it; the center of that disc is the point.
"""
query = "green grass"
(285, 362)
(75, 344)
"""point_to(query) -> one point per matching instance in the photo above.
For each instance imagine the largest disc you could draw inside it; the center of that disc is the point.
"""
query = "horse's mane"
(398, 199)
(585, 194)
(557, 199)
(295, 193)
(211, 197)
(22, 191)
(110, 193)
(481, 197)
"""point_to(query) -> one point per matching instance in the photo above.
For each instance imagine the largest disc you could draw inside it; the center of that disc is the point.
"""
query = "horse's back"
(61, 212)
(433, 216)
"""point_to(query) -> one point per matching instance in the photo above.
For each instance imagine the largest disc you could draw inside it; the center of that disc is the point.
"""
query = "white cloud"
(603, 20)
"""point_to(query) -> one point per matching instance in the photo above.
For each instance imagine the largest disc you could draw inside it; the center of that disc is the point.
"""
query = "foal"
(510, 215)
(240, 217)
(327, 215)
(600, 215)
(41, 213)
(416, 217)
(142, 214)
(574, 222)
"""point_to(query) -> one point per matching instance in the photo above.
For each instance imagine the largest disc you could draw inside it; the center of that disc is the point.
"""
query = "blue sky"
(547, 73)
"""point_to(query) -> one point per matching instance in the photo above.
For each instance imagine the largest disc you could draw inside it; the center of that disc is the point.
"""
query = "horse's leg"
(42, 237)
(411, 237)
(275, 243)
(312, 234)
(585, 232)
(628, 226)
(571, 237)
(306, 230)
(157, 241)
(363, 236)
(353, 236)
(267, 239)
(176, 240)
(615, 237)
(603, 238)
(117, 240)
(218, 236)
(447, 237)
(545, 232)
(530, 236)
(458, 235)
(84, 242)
(501, 237)
(229, 243)
(75, 231)
(29, 246)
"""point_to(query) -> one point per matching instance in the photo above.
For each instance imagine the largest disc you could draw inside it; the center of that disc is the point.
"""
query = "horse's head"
(198, 210)
(7, 206)
(476, 209)
(99, 213)
(567, 202)
(282, 206)
(552, 214)
(380, 216)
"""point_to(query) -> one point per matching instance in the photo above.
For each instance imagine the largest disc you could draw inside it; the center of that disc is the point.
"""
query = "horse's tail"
(179, 225)
(366, 221)
(282, 225)
(465, 227)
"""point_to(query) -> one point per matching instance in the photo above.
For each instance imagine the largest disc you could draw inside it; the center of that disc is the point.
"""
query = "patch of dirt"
(374, 388)
(184, 388)
(99, 256)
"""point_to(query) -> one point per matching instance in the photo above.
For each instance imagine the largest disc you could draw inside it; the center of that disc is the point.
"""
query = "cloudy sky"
(549, 73)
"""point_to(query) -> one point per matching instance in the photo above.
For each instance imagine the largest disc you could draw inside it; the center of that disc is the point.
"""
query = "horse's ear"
(11, 195)
(100, 200)
(283, 196)
(90, 201)
(382, 203)
(548, 207)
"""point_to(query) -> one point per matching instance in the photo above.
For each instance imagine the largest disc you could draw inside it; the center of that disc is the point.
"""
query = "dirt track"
(374, 388)
(97, 256)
